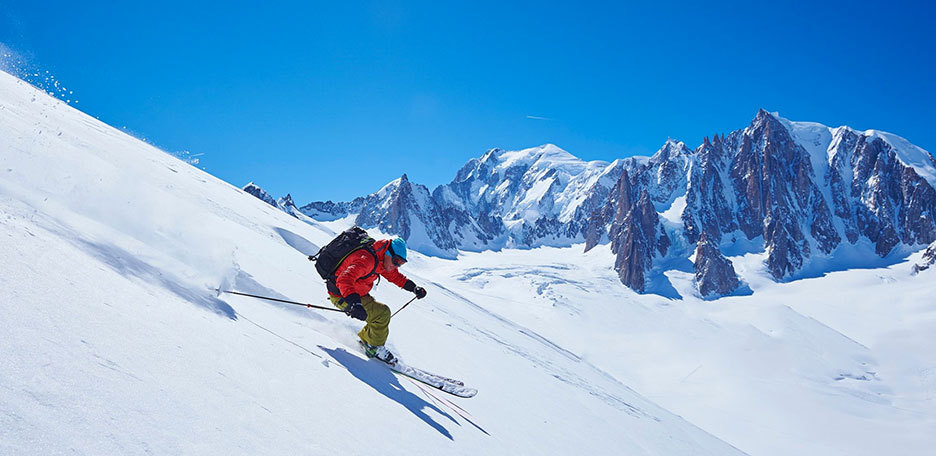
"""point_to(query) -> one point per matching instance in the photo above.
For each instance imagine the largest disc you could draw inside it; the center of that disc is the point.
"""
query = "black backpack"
(330, 257)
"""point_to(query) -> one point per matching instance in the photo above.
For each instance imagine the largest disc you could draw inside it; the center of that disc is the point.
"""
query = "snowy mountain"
(527, 198)
(801, 193)
(260, 193)
(401, 208)
(284, 204)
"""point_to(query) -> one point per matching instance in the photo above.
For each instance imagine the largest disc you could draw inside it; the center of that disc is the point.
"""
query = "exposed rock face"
(328, 210)
(617, 206)
(803, 189)
(637, 237)
(286, 204)
(407, 210)
(708, 191)
(878, 196)
(260, 193)
(929, 258)
(537, 196)
(664, 175)
(776, 197)
(715, 275)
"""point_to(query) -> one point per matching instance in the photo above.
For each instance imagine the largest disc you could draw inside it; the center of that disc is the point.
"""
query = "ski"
(453, 387)
(439, 382)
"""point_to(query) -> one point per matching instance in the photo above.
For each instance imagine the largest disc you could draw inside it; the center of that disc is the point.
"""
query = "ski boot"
(379, 352)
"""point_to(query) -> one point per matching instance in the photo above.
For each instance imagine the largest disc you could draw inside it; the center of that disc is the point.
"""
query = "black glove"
(354, 308)
(420, 292)
(412, 288)
(356, 311)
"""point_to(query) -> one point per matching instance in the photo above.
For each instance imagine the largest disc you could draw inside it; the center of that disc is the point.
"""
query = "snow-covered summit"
(801, 187)
(391, 186)
(545, 156)
(909, 154)
(818, 138)
(536, 196)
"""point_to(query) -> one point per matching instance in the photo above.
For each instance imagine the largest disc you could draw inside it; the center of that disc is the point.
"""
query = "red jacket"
(352, 270)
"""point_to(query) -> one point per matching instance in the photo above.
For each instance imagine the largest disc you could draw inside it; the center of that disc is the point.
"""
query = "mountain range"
(796, 192)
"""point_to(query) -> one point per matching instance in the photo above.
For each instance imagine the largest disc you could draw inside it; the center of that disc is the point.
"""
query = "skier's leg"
(377, 329)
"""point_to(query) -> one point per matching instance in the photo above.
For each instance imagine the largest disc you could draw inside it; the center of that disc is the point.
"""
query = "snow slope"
(836, 365)
(113, 341)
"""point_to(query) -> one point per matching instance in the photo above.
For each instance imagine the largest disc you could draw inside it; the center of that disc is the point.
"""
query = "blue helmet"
(397, 248)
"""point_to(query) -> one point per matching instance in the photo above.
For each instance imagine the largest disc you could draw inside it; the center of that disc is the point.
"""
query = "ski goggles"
(397, 261)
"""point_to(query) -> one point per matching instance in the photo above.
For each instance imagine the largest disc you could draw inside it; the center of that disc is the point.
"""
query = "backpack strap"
(370, 250)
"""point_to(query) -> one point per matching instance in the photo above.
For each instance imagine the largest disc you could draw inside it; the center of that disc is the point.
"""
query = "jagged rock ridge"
(715, 275)
(803, 189)
(260, 193)
(929, 258)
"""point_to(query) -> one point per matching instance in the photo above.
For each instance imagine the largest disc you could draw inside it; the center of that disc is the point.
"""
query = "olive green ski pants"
(377, 329)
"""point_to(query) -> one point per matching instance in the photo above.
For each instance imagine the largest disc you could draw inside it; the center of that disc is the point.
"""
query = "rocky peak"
(637, 239)
(708, 206)
(286, 201)
(286, 205)
(670, 150)
(665, 174)
(714, 274)
(776, 196)
(764, 119)
(394, 188)
(611, 213)
(888, 201)
(800, 187)
(260, 193)
(929, 258)
(407, 210)
(387, 208)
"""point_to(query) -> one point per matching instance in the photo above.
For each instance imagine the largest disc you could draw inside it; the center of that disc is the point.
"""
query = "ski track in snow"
(846, 370)
(557, 372)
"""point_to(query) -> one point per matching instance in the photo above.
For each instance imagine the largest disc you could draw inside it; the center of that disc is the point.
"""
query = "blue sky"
(332, 100)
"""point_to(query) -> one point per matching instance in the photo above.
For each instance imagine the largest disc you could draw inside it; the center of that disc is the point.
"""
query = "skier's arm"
(401, 281)
(396, 277)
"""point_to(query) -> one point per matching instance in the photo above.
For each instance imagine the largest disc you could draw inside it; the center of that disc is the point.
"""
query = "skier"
(350, 290)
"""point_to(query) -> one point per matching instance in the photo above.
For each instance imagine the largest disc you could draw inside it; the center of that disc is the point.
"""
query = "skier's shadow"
(385, 382)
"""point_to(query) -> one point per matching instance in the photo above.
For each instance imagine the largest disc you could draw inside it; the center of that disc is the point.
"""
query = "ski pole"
(311, 306)
(404, 306)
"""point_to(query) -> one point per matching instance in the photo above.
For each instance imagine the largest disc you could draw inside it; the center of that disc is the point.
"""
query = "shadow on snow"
(385, 382)
(127, 264)
(301, 244)
(243, 282)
